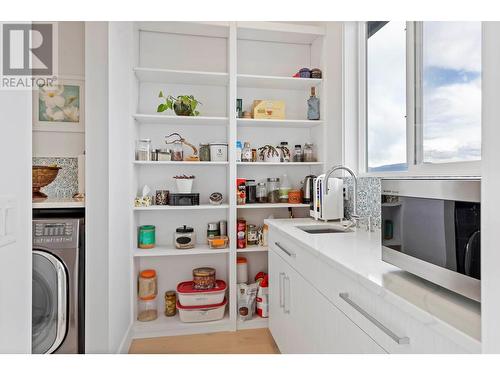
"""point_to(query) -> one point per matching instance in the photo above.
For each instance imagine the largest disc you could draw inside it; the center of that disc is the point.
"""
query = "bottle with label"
(238, 151)
(246, 153)
(313, 106)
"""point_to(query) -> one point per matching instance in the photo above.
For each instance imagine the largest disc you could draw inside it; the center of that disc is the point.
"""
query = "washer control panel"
(55, 232)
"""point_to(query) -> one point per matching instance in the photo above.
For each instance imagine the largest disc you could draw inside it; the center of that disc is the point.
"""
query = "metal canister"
(223, 227)
(241, 228)
(146, 237)
(170, 303)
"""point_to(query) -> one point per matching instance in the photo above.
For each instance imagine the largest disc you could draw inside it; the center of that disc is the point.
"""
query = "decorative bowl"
(42, 176)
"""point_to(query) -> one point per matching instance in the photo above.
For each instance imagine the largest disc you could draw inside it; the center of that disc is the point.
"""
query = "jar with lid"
(143, 150)
(297, 154)
(170, 303)
(184, 237)
(308, 153)
(177, 152)
(252, 235)
(212, 230)
(164, 154)
(261, 193)
(250, 191)
(147, 309)
(246, 153)
(204, 152)
(284, 189)
(273, 190)
(147, 284)
(204, 278)
(241, 270)
(284, 152)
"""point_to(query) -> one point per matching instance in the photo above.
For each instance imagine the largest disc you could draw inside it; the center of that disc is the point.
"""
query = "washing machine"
(57, 311)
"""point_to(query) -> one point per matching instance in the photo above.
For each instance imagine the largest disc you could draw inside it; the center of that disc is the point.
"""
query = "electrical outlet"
(7, 220)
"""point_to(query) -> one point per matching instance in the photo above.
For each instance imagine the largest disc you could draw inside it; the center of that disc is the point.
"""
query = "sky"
(451, 93)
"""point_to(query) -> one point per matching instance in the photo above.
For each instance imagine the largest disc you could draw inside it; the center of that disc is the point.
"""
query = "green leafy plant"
(183, 105)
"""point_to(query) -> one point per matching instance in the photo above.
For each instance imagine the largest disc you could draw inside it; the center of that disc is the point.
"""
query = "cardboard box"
(269, 109)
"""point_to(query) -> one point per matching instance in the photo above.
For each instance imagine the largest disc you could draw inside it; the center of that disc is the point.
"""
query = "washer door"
(49, 297)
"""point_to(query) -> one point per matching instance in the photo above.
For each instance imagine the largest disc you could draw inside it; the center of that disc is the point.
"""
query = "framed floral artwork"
(59, 107)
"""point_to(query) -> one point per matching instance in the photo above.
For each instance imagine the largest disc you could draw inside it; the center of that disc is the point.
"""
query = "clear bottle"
(284, 189)
(238, 151)
(297, 154)
(273, 190)
(246, 153)
(313, 106)
(261, 192)
(308, 153)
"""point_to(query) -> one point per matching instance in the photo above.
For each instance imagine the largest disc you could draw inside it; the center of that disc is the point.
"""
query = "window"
(386, 96)
(423, 97)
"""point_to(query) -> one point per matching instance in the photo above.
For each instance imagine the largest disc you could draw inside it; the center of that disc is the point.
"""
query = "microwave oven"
(431, 228)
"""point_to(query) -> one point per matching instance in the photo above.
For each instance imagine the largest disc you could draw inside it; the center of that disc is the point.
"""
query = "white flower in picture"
(59, 103)
(72, 113)
(54, 114)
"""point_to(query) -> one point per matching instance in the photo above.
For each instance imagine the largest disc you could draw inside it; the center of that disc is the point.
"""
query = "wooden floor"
(249, 341)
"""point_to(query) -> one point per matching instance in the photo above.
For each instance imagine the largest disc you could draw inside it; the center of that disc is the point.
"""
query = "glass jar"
(246, 153)
(213, 230)
(177, 152)
(170, 303)
(204, 152)
(147, 309)
(184, 237)
(143, 150)
(273, 190)
(147, 285)
(164, 154)
(308, 153)
(297, 154)
(250, 191)
(241, 270)
(284, 189)
(252, 235)
(261, 193)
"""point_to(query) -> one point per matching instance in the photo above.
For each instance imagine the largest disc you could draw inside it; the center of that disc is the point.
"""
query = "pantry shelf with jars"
(258, 125)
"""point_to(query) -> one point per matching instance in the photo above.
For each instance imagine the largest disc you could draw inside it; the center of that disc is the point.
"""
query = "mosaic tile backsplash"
(66, 183)
(369, 189)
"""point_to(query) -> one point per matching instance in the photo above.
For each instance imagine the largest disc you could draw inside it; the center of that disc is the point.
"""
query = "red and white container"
(263, 298)
(188, 296)
(197, 314)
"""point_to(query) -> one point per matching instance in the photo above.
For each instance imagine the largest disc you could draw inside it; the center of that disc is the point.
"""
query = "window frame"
(414, 127)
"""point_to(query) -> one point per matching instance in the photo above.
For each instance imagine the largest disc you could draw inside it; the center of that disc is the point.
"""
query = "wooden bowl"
(42, 176)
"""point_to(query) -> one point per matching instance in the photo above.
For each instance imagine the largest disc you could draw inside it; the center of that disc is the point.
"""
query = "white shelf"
(176, 208)
(185, 77)
(172, 326)
(181, 120)
(163, 251)
(276, 82)
(183, 163)
(215, 29)
(273, 205)
(281, 32)
(253, 249)
(265, 123)
(254, 323)
(291, 164)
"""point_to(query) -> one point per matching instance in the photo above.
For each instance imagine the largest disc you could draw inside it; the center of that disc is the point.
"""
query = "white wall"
(71, 48)
(490, 198)
(15, 259)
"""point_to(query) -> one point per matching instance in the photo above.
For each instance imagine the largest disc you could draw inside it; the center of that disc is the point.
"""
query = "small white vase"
(184, 185)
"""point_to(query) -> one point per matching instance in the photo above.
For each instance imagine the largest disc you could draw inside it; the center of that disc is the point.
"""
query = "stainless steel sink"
(323, 229)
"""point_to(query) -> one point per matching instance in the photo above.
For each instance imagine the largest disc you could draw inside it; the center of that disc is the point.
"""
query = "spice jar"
(212, 230)
(147, 284)
(261, 193)
(143, 150)
(252, 235)
(147, 309)
(146, 237)
(250, 191)
(170, 303)
(204, 152)
(203, 278)
(241, 270)
(297, 154)
(308, 153)
(273, 190)
(254, 155)
(154, 154)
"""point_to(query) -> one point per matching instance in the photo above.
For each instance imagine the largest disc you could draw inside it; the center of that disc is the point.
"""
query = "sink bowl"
(324, 229)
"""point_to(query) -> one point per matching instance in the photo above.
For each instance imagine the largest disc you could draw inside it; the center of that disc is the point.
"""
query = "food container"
(218, 151)
(143, 150)
(269, 109)
(308, 153)
(161, 197)
(218, 242)
(273, 190)
(294, 196)
(189, 296)
(170, 303)
(147, 309)
(241, 270)
(184, 237)
(177, 152)
(316, 73)
(304, 73)
(207, 313)
(212, 231)
(146, 237)
(204, 278)
(164, 154)
(204, 152)
(250, 191)
(180, 199)
(147, 284)
(241, 237)
(261, 193)
(240, 191)
(223, 227)
(252, 235)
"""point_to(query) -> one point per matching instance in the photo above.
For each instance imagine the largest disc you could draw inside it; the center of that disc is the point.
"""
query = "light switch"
(7, 220)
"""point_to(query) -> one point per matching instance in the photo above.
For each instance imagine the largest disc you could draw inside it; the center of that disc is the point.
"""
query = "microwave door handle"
(468, 253)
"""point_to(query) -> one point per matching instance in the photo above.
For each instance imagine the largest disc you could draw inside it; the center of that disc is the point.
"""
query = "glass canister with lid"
(184, 237)
(250, 191)
(273, 190)
(204, 278)
(204, 152)
(143, 149)
(261, 193)
(308, 153)
(147, 284)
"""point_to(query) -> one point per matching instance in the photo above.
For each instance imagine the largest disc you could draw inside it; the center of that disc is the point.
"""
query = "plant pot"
(181, 109)
(272, 159)
(184, 185)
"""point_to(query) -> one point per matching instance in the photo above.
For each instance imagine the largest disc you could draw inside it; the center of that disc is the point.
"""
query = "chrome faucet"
(354, 214)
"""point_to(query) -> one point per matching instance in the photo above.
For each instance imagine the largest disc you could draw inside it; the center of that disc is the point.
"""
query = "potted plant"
(183, 105)
(184, 183)
(269, 154)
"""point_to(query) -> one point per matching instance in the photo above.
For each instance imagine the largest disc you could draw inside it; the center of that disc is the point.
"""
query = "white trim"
(126, 341)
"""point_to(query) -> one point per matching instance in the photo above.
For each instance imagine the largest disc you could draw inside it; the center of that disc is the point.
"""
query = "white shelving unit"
(218, 62)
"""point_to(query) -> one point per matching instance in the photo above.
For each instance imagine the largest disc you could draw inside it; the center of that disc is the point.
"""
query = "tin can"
(241, 228)
(146, 237)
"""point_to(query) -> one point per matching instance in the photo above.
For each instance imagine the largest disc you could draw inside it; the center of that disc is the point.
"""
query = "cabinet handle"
(287, 252)
(281, 282)
(387, 331)
(286, 309)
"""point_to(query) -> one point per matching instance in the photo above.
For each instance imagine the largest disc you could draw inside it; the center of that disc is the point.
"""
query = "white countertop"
(360, 253)
(58, 203)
